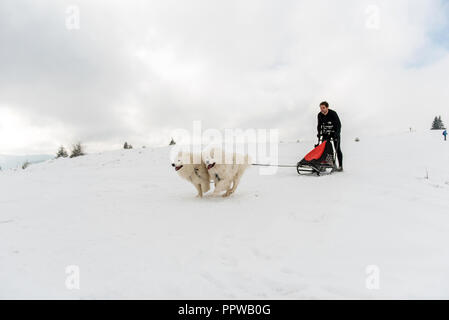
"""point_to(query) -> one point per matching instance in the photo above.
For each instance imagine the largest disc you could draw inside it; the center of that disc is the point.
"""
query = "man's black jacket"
(332, 117)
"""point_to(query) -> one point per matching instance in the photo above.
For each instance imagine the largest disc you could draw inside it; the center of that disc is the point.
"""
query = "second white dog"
(226, 170)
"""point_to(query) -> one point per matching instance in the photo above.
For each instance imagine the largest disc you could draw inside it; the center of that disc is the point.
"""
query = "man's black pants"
(338, 149)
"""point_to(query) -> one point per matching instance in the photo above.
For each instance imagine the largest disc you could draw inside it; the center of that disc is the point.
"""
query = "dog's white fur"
(226, 169)
(197, 174)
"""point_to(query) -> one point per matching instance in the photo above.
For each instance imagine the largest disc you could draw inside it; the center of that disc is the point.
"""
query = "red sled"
(319, 160)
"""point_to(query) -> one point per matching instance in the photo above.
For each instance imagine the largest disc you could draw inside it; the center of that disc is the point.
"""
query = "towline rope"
(275, 165)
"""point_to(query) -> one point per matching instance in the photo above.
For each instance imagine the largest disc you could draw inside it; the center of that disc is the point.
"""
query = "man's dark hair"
(324, 103)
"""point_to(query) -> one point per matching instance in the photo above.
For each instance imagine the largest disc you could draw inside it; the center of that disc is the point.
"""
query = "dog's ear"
(248, 159)
(184, 157)
(207, 154)
(197, 158)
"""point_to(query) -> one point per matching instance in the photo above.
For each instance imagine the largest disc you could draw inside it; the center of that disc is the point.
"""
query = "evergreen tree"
(437, 123)
(172, 142)
(440, 123)
(62, 153)
(25, 165)
(434, 124)
(127, 146)
(77, 150)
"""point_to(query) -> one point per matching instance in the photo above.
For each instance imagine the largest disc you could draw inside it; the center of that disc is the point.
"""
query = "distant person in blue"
(444, 134)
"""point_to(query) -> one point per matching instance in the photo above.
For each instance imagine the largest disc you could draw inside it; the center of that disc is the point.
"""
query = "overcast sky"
(137, 70)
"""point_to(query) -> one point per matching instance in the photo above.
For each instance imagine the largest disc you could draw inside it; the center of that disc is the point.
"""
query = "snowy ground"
(136, 230)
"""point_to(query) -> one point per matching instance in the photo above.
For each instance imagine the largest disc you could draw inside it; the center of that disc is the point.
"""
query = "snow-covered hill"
(136, 230)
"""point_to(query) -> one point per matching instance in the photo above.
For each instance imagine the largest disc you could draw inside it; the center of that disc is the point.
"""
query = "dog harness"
(196, 172)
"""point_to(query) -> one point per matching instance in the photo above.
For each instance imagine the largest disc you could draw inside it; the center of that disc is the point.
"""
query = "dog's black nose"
(173, 165)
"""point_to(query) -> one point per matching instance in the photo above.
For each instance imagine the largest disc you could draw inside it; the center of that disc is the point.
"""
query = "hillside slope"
(136, 230)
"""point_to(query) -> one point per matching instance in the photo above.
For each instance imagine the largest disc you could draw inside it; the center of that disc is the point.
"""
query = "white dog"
(197, 174)
(225, 169)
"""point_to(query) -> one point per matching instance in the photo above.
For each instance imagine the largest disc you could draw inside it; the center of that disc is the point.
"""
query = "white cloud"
(19, 135)
(137, 70)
